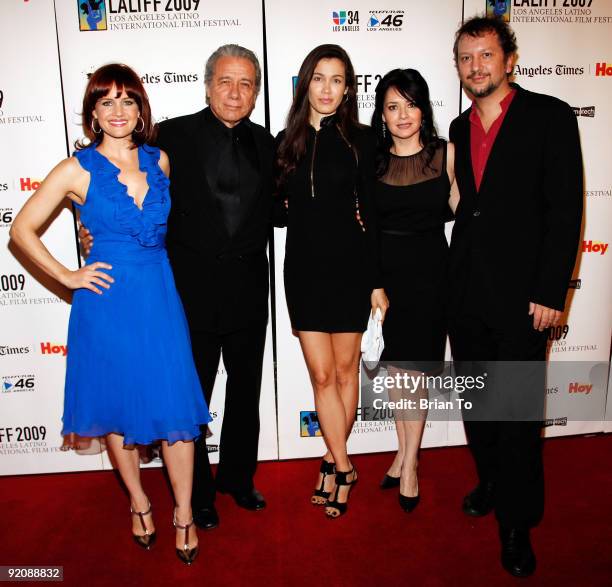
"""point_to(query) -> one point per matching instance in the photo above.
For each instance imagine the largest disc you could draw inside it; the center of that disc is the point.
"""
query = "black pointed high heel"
(408, 504)
(320, 496)
(146, 540)
(334, 508)
(186, 555)
(389, 482)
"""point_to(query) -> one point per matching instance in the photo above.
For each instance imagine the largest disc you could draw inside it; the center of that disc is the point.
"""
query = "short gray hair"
(232, 50)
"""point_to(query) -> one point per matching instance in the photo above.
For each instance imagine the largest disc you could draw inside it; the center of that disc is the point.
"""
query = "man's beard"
(482, 92)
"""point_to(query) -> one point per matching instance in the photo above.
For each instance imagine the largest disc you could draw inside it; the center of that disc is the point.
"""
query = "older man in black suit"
(221, 190)
(519, 169)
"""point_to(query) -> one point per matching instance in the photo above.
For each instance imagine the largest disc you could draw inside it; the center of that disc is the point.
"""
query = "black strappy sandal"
(334, 508)
(146, 540)
(320, 496)
(186, 555)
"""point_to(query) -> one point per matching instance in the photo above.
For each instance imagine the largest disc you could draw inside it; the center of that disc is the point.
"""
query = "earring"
(143, 124)
(93, 127)
(346, 97)
(384, 129)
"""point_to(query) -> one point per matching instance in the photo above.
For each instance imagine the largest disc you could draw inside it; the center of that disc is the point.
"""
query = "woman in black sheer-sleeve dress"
(414, 196)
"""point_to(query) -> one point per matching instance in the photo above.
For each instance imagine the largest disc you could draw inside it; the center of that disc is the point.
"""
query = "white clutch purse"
(372, 343)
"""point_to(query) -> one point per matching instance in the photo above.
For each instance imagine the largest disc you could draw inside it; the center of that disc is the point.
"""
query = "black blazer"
(222, 280)
(517, 238)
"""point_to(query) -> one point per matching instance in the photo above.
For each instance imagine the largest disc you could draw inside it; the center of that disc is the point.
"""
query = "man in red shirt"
(519, 169)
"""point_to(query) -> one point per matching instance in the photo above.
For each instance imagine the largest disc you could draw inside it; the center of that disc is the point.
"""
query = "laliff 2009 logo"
(499, 9)
(92, 15)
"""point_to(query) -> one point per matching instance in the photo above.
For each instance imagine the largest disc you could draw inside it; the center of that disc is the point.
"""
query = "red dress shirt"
(481, 142)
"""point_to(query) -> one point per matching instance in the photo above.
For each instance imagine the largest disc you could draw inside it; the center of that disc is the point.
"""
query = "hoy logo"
(580, 388)
(49, 348)
(594, 247)
(603, 69)
(27, 184)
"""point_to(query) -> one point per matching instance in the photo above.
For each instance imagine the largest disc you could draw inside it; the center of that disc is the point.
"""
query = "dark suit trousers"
(243, 359)
(509, 453)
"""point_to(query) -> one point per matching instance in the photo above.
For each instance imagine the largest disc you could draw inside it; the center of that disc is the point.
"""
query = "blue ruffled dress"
(130, 368)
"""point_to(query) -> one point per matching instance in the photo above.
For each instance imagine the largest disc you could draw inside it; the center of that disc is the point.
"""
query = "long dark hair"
(293, 145)
(123, 78)
(410, 84)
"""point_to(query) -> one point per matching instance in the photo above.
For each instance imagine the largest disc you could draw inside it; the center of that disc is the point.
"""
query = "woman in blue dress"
(130, 375)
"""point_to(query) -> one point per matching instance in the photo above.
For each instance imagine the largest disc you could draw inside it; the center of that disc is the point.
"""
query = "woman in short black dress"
(414, 194)
(325, 158)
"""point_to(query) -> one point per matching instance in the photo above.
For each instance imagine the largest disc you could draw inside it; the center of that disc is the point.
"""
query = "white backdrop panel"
(33, 314)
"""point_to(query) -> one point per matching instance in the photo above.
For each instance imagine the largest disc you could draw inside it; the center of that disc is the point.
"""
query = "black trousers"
(507, 452)
(243, 359)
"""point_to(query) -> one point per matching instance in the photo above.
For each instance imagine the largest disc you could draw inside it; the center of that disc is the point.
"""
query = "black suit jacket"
(222, 280)
(517, 237)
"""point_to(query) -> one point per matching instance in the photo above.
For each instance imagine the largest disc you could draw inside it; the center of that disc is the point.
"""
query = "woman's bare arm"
(67, 180)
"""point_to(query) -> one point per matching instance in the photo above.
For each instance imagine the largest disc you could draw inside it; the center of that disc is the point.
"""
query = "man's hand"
(85, 241)
(379, 299)
(543, 317)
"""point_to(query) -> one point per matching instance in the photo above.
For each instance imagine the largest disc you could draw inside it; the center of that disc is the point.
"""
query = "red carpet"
(81, 521)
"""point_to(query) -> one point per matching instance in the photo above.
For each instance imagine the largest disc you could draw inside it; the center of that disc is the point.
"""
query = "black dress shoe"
(206, 518)
(389, 482)
(480, 501)
(516, 553)
(249, 500)
(408, 503)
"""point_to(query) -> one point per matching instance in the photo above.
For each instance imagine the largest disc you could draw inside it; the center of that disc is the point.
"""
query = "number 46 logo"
(385, 21)
(18, 383)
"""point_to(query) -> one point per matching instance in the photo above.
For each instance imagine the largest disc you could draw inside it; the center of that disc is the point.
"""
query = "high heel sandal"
(320, 496)
(337, 508)
(147, 540)
(186, 555)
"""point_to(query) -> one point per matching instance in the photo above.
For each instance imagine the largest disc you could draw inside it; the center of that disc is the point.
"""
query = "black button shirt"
(232, 168)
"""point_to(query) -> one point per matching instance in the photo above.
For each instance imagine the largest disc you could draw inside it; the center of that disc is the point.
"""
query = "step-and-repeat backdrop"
(168, 44)
(561, 53)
